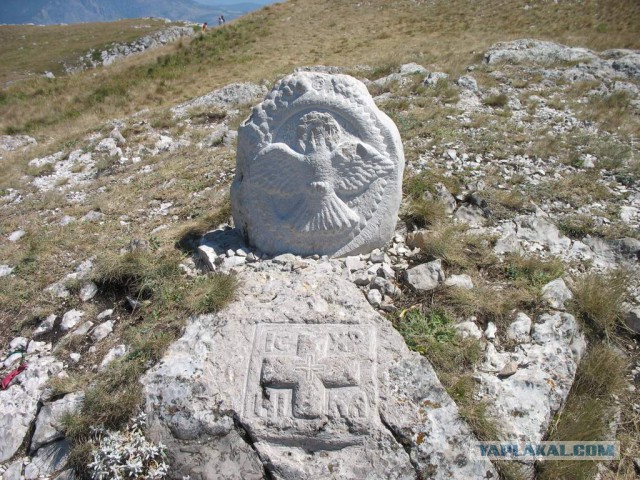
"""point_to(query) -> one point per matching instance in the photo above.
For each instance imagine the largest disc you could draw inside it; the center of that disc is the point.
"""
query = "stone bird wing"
(281, 171)
(357, 165)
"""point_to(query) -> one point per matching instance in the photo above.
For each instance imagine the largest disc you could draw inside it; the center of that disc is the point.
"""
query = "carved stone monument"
(301, 378)
(319, 169)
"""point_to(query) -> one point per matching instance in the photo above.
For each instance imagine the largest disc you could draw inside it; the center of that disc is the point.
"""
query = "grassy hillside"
(27, 50)
(447, 35)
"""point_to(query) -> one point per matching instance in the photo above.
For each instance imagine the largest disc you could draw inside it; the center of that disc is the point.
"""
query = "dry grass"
(588, 410)
(27, 50)
(383, 33)
(597, 301)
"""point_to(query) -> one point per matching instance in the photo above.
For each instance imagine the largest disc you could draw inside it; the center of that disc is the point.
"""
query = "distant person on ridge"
(221, 20)
(204, 27)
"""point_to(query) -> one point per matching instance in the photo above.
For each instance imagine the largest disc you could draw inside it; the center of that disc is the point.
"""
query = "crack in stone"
(404, 443)
(246, 436)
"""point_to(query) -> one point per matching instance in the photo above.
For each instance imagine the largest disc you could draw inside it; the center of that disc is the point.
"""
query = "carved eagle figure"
(326, 169)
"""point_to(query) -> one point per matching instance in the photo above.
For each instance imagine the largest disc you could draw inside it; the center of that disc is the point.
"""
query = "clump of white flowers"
(127, 455)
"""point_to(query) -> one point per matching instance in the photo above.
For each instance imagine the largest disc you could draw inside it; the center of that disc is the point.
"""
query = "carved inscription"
(305, 375)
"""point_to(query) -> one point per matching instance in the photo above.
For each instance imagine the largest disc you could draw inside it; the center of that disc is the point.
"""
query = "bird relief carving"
(320, 179)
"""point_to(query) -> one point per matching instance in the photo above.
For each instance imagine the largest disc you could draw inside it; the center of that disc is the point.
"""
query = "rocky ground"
(532, 154)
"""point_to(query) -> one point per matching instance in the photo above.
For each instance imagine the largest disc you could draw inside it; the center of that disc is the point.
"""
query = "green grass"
(27, 50)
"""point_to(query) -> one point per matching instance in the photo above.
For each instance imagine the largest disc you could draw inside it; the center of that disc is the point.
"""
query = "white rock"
(70, 319)
(102, 331)
(208, 255)
(381, 402)
(471, 215)
(374, 297)
(520, 328)
(113, 354)
(49, 424)
(45, 326)
(5, 270)
(412, 68)
(17, 235)
(20, 402)
(629, 215)
(105, 314)
(320, 164)
(83, 329)
(460, 281)
(468, 329)
(524, 403)
(88, 291)
(426, 276)
(556, 294)
(490, 331)
(75, 357)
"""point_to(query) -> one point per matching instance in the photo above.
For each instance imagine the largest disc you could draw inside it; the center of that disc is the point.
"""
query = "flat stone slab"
(301, 378)
(319, 169)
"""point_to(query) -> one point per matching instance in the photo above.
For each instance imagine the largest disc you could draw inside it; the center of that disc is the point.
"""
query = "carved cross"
(308, 375)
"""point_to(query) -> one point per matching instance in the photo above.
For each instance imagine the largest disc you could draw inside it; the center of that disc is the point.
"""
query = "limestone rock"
(632, 317)
(321, 393)
(116, 352)
(9, 143)
(556, 293)
(525, 402)
(70, 319)
(470, 214)
(20, 402)
(5, 270)
(319, 169)
(229, 96)
(48, 459)
(102, 331)
(88, 291)
(520, 328)
(460, 281)
(426, 276)
(45, 326)
(535, 51)
(468, 329)
(49, 422)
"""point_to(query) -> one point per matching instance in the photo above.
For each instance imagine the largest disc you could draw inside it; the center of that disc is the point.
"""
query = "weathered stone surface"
(9, 143)
(556, 293)
(70, 319)
(535, 51)
(426, 276)
(49, 422)
(20, 402)
(468, 329)
(632, 317)
(5, 270)
(230, 96)
(49, 459)
(520, 328)
(319, 169)
(460, 281)
(525, 402)
(302, 376)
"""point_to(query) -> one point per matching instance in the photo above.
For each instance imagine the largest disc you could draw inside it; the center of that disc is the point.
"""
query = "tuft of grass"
(209, 294)
(532, 271)
(451, 243)
(496, 100)
(588, 411)
(597, 301)
(425, 212)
